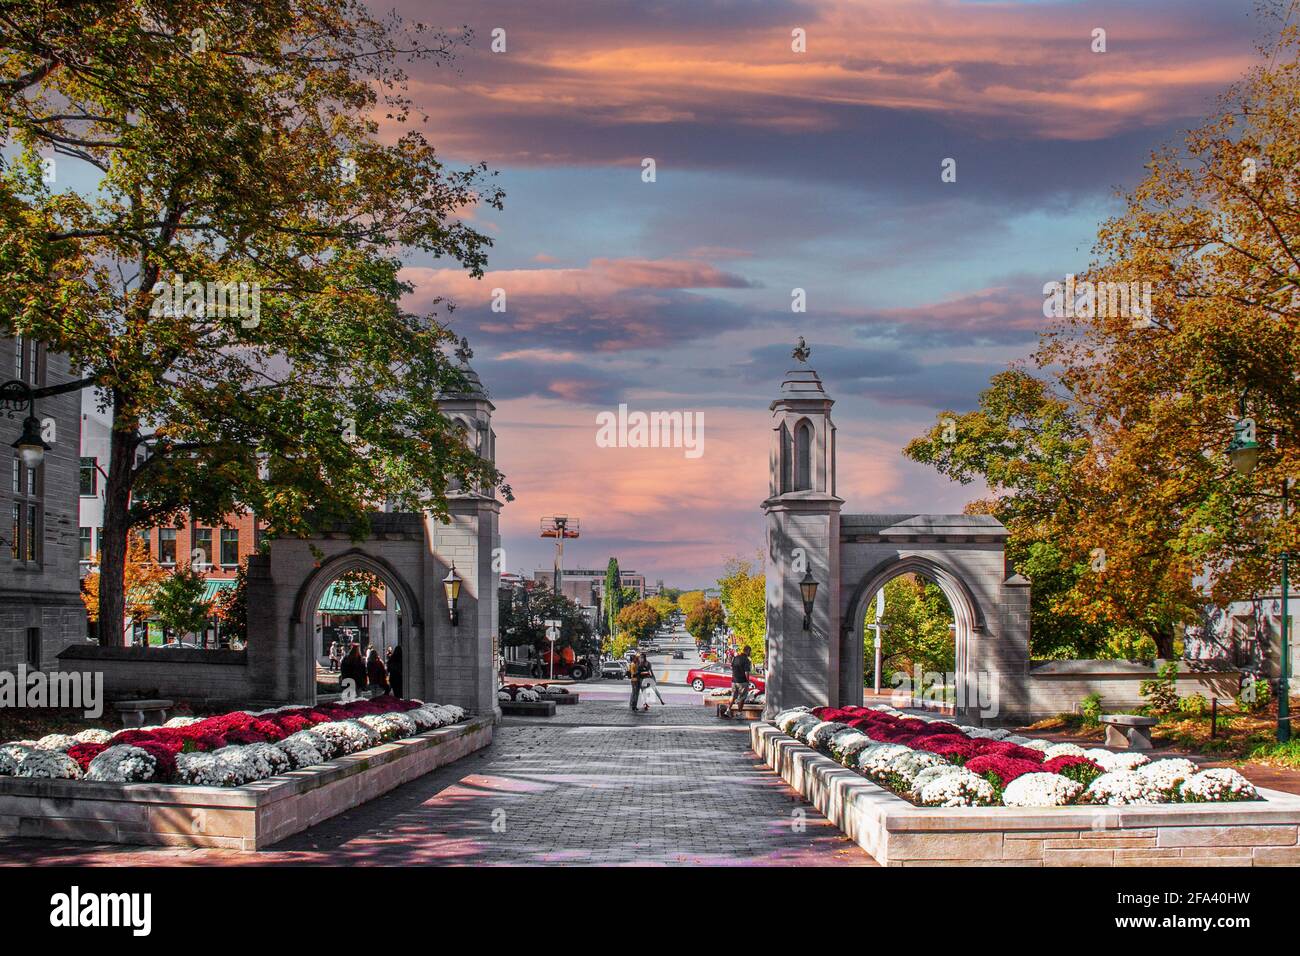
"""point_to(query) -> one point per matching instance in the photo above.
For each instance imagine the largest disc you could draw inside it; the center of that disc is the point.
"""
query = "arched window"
(787, 461)
(803, 437)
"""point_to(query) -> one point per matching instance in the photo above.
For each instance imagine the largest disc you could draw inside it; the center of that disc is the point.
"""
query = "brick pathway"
(594, 785)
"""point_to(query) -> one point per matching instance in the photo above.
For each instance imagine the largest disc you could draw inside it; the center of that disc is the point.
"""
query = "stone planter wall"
(896, 833)
(250, 817)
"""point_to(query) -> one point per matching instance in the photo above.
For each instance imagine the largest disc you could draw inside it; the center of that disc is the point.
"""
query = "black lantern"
(451, 586)
(808, 588)
(31, 447)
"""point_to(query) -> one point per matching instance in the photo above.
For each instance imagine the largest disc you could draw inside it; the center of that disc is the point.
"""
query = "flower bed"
(525, 693)
(934, 762)
(227, 750)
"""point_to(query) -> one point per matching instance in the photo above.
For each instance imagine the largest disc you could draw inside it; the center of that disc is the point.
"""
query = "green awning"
(214, 586)
(339, 600)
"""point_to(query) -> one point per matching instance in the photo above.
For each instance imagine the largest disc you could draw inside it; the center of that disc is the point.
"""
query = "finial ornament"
(463, 351)
(801, 350)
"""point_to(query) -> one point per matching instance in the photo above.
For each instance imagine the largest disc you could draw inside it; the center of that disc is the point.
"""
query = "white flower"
(1121, 787)
(1062, 750)
(961, 789)
(1167, 774)
(268, 760)
(1109, 760)
(11, 755)
(503, 695)
(205, 770)
(1018, 740)
(92, 736)
(122, 763)
(799, 729)
(909, 766)
(186, 721)
(930, 774)
(783, 720)
(820, 735)
(52, 764)
(305, 748)
(1035, 744)
(55, 742)
(1041, 790)
(846, 745)
(875, 759)
(1217, 785)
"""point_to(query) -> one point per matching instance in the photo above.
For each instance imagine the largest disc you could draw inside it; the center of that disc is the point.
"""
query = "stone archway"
(302, 622)
(968, 617)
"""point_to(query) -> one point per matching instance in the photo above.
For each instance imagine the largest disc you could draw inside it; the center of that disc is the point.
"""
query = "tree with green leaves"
(744, 595)
(179, 605)
(917, 630)
(227, 277)
(231, 607)
(613, 596)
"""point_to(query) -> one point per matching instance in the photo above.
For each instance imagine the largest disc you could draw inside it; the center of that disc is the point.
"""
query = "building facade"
(41, 611)
(585, 586)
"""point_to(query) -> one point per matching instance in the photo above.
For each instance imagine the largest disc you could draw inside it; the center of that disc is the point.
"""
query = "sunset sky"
(778, 170)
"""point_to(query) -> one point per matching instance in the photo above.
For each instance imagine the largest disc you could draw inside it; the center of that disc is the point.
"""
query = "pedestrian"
(395, 670)
(353, 669)
(648, 683)
(635, 675)
(376, 673)
(335, 655)
(740, 668)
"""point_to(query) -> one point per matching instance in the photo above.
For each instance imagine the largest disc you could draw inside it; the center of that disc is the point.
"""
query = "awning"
(337, 599)
(212, 587)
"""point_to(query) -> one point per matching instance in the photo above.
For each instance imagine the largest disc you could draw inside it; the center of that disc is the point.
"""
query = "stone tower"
(803, 536)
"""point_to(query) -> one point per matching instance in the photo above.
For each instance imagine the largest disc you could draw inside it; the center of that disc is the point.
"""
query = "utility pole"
(559, 527)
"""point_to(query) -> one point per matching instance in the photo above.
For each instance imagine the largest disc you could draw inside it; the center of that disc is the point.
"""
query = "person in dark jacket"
(634, 672)
(395, 670)
(376, 673)
(353, 669)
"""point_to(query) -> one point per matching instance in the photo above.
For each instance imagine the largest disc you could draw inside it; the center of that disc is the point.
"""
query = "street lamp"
(808, 589)
(31, 446)
(451, 587)
(1244, 451)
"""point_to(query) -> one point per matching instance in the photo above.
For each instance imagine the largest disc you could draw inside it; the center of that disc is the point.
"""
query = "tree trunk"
(112, 559)
(1164, 638)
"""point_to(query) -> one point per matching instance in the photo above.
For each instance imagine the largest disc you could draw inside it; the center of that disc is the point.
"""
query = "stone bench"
(1128, 730)
(560, 697)
(527, 708)
(143, 713)
(746, 712)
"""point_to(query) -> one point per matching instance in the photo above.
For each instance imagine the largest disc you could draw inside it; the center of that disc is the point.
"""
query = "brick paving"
(596, 784)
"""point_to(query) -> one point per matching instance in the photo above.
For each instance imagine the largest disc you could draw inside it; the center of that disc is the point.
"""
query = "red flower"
(1059, 764)
(165, 758)
(1003, 748)
(85, 753)
(1005, 768)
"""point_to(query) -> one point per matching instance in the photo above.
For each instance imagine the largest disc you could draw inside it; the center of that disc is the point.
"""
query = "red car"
(718, 675)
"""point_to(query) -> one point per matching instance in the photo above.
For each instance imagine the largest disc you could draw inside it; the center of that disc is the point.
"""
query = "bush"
(1254, 696)
(1161, 691)
(1090, 710)
(1194, 706)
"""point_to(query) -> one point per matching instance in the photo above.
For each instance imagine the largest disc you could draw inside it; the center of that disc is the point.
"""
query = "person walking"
(353, 669)
(740, 668)
(395, 670)
(335, 656)
(376, 673)
(634, 672)
(649, 685)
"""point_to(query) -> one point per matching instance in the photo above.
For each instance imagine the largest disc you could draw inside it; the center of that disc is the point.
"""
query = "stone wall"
(1057, 687)
(208, 678)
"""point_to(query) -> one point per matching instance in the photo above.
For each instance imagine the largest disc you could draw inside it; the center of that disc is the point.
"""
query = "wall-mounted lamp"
(808, 589)
(31, 447)
(451, 586)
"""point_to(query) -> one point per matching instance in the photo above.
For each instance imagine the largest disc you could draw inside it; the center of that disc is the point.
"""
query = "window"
(230, 547)
(803, 457)
(202, 541)
(89, 476)
(28, 515)
(787, 459)
(34, 648)
(143, 537)
(29, 361)
(83, 537)
(166, 545)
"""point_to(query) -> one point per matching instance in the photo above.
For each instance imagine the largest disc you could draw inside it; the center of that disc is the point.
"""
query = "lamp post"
(451, 587)
(808, 590)
(31, 446)
(1243, 452)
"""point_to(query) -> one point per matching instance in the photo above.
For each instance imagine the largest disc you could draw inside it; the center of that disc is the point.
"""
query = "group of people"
(370, 673)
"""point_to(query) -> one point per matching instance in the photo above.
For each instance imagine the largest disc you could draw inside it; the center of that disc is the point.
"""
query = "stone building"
(40, 600)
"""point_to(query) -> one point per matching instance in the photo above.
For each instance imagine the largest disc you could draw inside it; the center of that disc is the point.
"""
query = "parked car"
(614, 670)
(718, 675)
